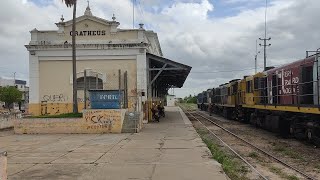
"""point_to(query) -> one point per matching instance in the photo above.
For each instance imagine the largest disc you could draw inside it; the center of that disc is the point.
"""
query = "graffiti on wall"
(55, 98)
(53, 108)
(102, 119)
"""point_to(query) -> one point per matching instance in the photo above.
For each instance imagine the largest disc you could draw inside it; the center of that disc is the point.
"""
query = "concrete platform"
(169, 150)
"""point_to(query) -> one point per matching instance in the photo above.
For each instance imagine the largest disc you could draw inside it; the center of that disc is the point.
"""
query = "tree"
(190, 99)
(10, 95)
(70, 3)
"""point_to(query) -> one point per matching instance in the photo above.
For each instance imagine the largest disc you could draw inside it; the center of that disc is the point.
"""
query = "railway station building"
(107, 58)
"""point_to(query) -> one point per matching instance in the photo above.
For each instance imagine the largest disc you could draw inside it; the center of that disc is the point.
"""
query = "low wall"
(6, 120)
(3, 165)
(93, 121)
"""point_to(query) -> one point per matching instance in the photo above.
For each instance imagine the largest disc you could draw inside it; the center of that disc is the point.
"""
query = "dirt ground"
(298, 154)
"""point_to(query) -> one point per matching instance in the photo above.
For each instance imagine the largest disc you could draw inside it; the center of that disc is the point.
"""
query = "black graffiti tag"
(100, 119)
(54, 98)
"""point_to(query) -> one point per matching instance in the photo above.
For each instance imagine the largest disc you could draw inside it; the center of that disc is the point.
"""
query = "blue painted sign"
(105, 99)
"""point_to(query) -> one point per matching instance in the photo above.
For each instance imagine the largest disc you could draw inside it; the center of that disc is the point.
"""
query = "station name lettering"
(89, 33)
(109, 97)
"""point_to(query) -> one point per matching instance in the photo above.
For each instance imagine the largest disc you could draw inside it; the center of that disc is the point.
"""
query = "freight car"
(283, 99)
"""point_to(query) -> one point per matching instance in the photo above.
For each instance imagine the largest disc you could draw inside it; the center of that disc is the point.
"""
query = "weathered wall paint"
(55, 108)
(108, 120)
(93, 121)
(89, 25)
(56, 88)
(6, 120)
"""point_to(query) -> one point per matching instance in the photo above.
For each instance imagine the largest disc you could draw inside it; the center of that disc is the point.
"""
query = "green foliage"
(282, 174)
(188, 106)
(292, 177)
(288, 152)
(231, 167)
(10, 95)
(253, 155)
(190, 99)
(68, 115)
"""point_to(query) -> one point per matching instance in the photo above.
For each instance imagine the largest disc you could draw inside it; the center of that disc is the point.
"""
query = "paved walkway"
(169, 150)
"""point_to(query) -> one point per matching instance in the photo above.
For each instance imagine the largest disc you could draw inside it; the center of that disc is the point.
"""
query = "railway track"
(201, 118)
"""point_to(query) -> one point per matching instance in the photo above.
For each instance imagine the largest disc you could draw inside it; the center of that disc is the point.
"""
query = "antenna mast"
(133, 1)
(265, 45)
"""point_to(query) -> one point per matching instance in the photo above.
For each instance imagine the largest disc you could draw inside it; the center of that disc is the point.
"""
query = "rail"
(250, 144)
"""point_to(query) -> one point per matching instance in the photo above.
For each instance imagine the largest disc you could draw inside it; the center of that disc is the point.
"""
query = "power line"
(223, 71)
(10, 72)
(231, 70)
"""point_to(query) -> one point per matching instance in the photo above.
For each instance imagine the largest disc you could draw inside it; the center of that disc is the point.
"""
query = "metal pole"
(97, 81)
(133, 14)
(255, 64)
(14, 79)
(265, 39)
(317, 89)
(85, 89)
(265, 20)
(264, 54)
(126, 88)
(255, 58)
(119, 89)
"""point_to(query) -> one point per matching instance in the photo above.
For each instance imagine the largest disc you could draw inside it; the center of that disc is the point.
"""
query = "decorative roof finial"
(141, 25)
(62, 19)
(88, 10)
(113, 18)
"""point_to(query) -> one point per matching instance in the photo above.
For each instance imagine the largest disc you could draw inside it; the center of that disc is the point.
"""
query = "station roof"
(166, 73)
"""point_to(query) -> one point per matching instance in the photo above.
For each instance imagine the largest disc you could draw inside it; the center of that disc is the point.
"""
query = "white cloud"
(186, 32)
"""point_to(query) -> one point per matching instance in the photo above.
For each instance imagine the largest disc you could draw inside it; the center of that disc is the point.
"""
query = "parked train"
(283, 99)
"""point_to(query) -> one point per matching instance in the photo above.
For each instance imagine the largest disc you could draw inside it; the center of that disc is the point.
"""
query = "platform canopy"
(165, 74)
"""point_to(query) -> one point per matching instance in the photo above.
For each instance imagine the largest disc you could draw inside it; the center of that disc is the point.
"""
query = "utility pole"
(265, 39)
(256, 57)
(85, 89)
(14, 79)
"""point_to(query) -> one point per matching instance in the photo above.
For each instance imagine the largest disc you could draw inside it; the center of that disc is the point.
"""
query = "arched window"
(92, 83)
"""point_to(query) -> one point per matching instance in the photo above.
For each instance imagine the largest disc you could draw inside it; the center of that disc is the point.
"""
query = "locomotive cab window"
(256, 83)
(306, 93)
(249, 86)
(234, 88)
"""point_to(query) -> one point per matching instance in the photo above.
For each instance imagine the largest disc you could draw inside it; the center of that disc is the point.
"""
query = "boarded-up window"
(92, 83)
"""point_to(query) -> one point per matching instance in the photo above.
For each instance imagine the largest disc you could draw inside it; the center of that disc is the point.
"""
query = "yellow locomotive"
(284, 99)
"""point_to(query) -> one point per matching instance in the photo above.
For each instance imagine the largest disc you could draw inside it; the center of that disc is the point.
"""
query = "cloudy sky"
(216, 37)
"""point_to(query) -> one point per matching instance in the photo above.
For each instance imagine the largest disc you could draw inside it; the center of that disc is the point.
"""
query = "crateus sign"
(89, 33)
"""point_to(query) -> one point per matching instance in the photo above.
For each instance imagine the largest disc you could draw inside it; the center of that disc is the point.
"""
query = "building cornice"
(87, 46)
(93, 18)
